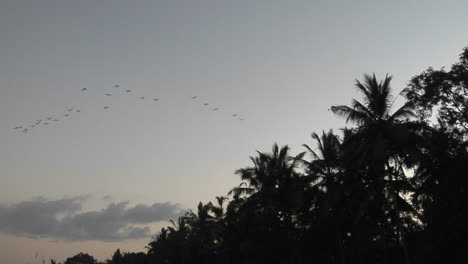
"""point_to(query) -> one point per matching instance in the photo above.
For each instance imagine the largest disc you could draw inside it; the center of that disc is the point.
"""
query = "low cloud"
(64, 219)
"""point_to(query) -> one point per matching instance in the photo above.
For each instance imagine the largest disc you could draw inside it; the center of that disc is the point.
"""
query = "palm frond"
(406, 111)
(349, 114)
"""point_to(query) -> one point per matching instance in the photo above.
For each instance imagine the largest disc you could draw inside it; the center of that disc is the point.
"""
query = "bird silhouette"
(49, 118)
(215, 109)
(84, 89)
(194, 97)
(156, 99)
(106, 107)
(66, 115)
(128, 91)
(141, 98)
(205, 104)
(116, 86)
(107, 94)
(55, 120)
(18, 127)
(78, 111)
(45, 124)
(241, 119)
(25, 130)
(234, 115)
(69, 110)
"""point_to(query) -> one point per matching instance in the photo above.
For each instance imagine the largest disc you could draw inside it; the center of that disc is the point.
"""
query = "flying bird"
(69, 110)
(55, 120)
(116, 86)
(141, 98)
(18, 127)
(234, 115)
(84, 89)
(25, 130)
(108, 94)
(46, 124)
(241, 119)
(215, 109)
(66, 115)
(106, 107)
(78, 111)
(49, 118)
(156, 99)
(205, 104)
(128, 91)
(194, 97)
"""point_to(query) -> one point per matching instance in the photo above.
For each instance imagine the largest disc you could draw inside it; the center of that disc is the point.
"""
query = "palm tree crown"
(377, 103)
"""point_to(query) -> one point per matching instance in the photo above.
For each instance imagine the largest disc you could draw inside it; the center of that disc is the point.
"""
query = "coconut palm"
(381, 137)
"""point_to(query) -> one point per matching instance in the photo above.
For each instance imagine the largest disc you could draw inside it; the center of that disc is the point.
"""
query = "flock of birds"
(57, 118)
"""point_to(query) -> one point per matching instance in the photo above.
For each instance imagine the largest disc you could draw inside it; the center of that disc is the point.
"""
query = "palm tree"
(325, 162)
(377, 104)
(273, 181)
(379, 139)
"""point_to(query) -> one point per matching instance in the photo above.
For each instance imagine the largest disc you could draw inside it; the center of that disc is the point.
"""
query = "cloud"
(63, 219)
(106, 198)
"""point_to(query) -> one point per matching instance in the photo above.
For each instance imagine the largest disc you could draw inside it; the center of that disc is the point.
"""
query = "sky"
(101, 179)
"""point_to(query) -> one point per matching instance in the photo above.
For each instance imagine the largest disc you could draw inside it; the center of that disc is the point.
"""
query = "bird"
(234, 115)
(108, 94)
(25, 130)
(55, 120)
(215, 109)
(156, 99)
(194, 97)
(69, 110)
(106, 107)
(141, 98)
(84, 89)
(241, 119)
(205, 104)
(128, 90)
(66, 115)
(116, 86)
(18, 127)
(78, 111)
(46, 124)
(39, 120)
(49, 118)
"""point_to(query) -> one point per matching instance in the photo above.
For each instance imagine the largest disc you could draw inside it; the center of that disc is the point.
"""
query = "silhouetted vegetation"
(391, 189)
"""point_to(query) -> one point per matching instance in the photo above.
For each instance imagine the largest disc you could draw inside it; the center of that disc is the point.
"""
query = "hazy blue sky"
(279, 64)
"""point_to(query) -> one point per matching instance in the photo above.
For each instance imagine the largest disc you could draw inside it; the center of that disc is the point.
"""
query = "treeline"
(391, 189)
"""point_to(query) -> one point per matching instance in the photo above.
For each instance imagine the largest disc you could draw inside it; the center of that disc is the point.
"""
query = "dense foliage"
(388, 190)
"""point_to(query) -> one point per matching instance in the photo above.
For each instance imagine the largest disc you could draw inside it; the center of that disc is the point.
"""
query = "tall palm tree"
(378, 139)
(377, 103)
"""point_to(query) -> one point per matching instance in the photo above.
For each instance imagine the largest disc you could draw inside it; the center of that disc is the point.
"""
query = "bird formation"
(54, 119)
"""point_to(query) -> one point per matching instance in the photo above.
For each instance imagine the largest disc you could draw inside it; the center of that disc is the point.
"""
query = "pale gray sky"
(279, 64)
